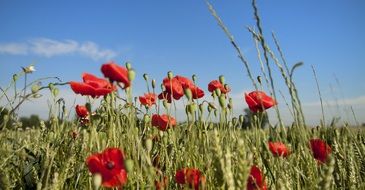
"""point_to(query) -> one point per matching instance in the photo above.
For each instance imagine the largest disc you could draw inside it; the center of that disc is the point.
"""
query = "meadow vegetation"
(135, 142)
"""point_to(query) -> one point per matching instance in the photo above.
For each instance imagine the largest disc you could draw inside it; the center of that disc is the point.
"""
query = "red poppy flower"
(185, 82)
(162, 184)
(190, 176)
(148, 99)
(256, 179)
(215, 84)
(173, 86)
(258, 101)
(163, 121)
(320, 150)
(92, 86)
(165, 95)
(278, 149)
(197, 92)
(116, 73)
(81, 111)
(110, 165)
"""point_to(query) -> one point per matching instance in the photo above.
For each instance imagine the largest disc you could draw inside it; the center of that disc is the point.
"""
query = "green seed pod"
(97, 180)
(51, 86)
(222, 79)
(35, 88)
(149, 144)
(170, 75)
(55, 92)
(222, 101)
(146, 118)
(188, 94)
(153, 83)
(218, 92)
(129, 165)
(131, 74)
(128, 65)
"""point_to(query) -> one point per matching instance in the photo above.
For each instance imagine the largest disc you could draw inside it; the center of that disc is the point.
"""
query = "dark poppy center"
(110, 165)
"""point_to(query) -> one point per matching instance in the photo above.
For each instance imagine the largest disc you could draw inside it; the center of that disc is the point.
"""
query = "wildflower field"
(134, 141)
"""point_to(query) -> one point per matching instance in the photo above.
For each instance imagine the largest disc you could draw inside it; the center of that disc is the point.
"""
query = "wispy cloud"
(49, 48)
(13, 48)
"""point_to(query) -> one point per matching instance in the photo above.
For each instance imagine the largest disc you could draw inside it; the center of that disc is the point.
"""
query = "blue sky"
(70, 37)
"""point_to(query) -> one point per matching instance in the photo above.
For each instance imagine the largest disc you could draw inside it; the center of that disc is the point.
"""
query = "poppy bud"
(170, 75)
(191, 108)
(149, 144)
(131, 74)
(188, 93)
(153, 83)
(51, 86)
(210, 126)
(241, 118)
(222, 79)
(222, 100)
(234, 121)
(36, 95)
(146, 118)
(259, 79)
(230, 103)
(165, 104)
(230, 124)
(194, 78)
(218, 92)
(97, 180)
(215, 113)
(211, 105)
(35, 88)
(15, 77)
(201, 106)
(129, 165)
(209, 109)
(226, 87)
(55, 92)
(145, 76)
(128, 66)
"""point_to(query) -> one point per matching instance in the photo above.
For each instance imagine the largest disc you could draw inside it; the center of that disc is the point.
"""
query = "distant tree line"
(32, 121)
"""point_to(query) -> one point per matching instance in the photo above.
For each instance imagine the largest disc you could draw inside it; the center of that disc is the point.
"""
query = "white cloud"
(49, 47)
(92, 50)
(14, 48)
